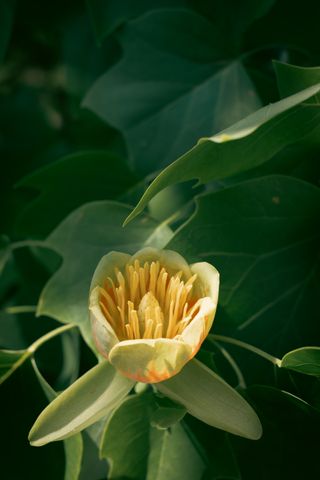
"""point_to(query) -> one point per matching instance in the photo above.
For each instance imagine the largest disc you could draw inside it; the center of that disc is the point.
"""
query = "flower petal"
(106, 267)
(208, 278)
(103, 334)
(199, 327)
(150, 360)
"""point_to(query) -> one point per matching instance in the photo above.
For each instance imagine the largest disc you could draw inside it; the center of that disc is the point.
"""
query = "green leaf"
(166, 417)
(10, 360)
(305, 360)
(82, 239)
(173, 456)
(263, 237)
(125, 440)
(87, 400)
(167, 91)
(247, 144)
(73, 446)
(94, 175)
(291, 79)
(107, 16)
(209, 398)
(7, 8)
(5, 252)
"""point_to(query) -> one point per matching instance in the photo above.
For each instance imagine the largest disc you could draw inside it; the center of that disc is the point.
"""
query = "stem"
(221, 338)
(21, 309)
(35, 345)
(234, 365)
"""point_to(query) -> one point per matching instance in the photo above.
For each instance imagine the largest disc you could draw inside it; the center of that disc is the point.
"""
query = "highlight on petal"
(150, 360)
(209, 398)
(87, 400)
(150, 312)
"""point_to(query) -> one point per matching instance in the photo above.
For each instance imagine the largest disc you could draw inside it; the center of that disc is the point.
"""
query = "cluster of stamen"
(147, 302)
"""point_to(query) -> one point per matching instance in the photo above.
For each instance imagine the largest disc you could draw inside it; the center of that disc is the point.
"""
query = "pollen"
(145, 301)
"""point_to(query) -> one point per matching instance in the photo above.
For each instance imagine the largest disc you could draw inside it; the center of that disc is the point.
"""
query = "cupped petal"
(208, 279)
(103, 333)
(150, 360)
(173, 261)
(197, 330)
(106, 266)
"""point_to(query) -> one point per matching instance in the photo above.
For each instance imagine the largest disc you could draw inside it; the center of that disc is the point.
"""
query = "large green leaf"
(107, 16)
(209, 398)
(87, 400)
(167, 91)
(305, 360)
(69, 183)
(292, 79)
(173, 456)
(82, 239)
(125, 440)
(245, 145)
(263, 237)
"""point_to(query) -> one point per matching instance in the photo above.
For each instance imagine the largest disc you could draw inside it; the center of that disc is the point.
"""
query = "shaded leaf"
(87, 400)
(305, 360)
(173, 456)
(125, 440)
(166, 417)
(263, 237)
(82, 239)
(10, 360)
(167, 91)
(291, 79)
(79, 178)
(7, 8)
(209, 398)
(247, 144)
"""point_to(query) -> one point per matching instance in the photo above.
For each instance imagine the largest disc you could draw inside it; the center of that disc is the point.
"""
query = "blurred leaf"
(209, 398)
(262, 235)
(167, 91)
(291, 79)
(125, 441)
(95, 175)
(245, 145)
(173, 456)
(107, 16)
(305, 360)
(7, 8)
(87, 400)
(10, 360)
(82, 239)
(5, 251)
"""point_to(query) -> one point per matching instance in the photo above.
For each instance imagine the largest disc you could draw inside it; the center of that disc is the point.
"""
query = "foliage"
(107, 106)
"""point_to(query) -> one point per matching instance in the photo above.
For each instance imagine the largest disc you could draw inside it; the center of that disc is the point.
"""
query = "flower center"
(147, 302)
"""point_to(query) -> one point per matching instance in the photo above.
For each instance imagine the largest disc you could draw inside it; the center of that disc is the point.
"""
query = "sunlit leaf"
(245, 145)
(82, 239)
(305, 360)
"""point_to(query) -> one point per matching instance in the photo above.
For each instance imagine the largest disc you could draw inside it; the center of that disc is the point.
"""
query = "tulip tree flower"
(150, 313)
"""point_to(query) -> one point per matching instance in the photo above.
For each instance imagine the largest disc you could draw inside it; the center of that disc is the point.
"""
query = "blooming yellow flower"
(150, 312)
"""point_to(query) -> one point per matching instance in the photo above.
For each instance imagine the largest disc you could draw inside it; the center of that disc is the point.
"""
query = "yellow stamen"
(148, 302)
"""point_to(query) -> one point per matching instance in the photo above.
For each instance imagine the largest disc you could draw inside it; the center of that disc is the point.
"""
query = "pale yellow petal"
(171, 260)
(150, 360)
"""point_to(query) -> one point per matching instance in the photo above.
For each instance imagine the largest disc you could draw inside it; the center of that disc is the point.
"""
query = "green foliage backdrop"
(197, 125)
